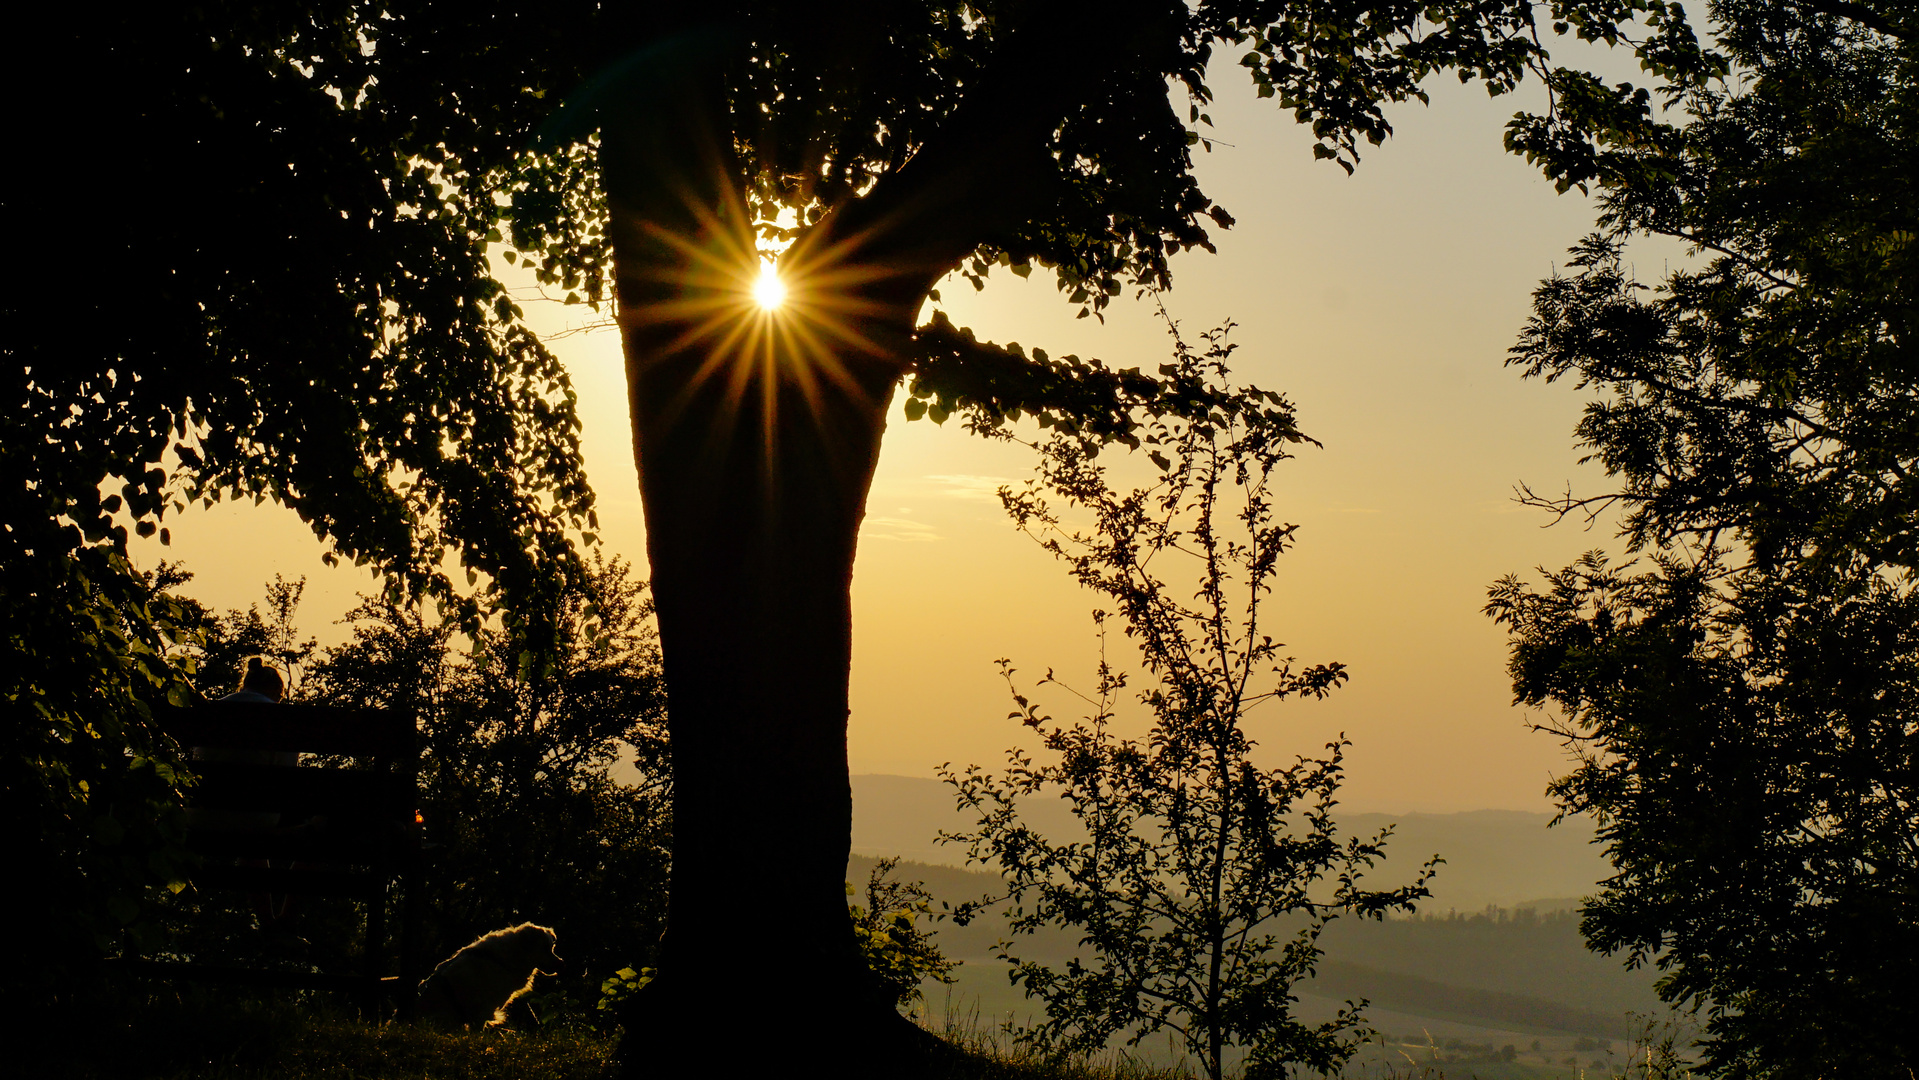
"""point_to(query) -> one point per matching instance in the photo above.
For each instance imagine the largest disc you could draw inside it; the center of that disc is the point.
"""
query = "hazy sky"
(1382, 303)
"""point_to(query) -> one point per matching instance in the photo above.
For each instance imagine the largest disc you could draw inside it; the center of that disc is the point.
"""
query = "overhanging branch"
(1859, 13)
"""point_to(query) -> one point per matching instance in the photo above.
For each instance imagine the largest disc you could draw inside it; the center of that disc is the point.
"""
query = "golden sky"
(1382, 303)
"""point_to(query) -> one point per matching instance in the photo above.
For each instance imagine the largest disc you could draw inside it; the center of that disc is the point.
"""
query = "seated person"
(260, 684)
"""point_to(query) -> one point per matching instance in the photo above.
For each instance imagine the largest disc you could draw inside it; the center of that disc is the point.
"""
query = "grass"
(986, 1054)
(153, 1032)
(195, 1033)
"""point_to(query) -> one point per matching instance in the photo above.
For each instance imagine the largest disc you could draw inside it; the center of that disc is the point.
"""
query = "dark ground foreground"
(154, 1032)
(141, 1031)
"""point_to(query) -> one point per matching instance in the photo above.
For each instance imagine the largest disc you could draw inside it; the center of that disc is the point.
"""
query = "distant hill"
(1495, 1009)
(1517, 972)
(1503, 858)
(1521, 969)
(1522, 954)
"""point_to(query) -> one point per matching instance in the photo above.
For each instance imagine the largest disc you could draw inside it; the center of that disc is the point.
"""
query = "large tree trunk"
(755, 456)
(752, 513)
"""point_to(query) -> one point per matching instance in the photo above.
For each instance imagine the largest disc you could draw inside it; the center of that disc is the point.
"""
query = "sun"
(769, 291)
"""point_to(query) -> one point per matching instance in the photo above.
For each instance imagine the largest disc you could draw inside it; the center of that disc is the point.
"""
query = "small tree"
(1204, 880)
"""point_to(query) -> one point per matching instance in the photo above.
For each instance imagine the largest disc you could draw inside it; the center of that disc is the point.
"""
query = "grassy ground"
(143, 1032)
(150, 1032)
(216, 1034)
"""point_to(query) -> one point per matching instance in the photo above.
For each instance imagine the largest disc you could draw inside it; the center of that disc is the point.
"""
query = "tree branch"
(1859, 13)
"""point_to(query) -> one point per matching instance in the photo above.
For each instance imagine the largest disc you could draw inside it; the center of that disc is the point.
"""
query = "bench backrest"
(268, 823)
(253, 801)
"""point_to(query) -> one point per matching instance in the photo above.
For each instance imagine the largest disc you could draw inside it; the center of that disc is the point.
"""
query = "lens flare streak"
(761, 325)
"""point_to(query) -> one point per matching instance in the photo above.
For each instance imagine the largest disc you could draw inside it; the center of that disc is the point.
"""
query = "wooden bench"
(342, 831)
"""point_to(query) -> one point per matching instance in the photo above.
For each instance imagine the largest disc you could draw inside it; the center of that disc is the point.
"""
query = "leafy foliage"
(95, 787)
(615, 991)
(1741, 702)
(892, 941)
(1748, 748)
(1198, 864)
(312, 320)
(995, 385)
(523, 816)
(885, 104)
(522, 812)
(300, 310)
(222, 643)
(1767, 392)
(829, 108)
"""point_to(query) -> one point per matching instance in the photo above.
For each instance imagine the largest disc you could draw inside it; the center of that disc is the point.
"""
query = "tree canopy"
(1766, 392)
(1742, 706)
(238, 282)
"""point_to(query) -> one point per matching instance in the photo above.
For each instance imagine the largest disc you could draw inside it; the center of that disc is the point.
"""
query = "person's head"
(262, 678)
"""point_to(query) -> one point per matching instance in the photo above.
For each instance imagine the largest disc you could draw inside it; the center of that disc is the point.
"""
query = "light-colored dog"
(472, 987)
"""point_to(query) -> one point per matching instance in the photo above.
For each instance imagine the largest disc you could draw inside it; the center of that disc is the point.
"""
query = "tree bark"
(752, 514)
(754, 463)
(755, 455)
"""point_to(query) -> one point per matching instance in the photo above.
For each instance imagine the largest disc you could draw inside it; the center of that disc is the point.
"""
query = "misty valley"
(1493, 960)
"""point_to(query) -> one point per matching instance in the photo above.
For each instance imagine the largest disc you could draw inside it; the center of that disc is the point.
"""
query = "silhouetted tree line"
(1494, 918)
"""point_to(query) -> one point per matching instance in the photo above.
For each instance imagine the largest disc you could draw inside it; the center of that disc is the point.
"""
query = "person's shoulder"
(245, 697)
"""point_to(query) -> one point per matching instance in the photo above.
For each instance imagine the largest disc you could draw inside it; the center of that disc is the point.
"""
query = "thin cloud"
(968, 486)
(901, 529)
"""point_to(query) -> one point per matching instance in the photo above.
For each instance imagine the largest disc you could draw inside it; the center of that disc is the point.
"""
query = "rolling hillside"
(1518, 970)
